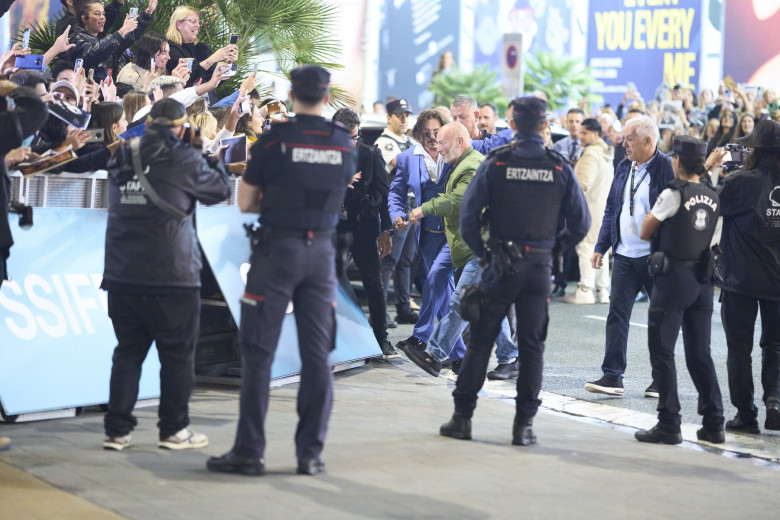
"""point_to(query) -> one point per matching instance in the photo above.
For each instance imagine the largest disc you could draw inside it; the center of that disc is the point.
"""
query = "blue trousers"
(679, 300)
(438, 285)
(629, 275)
(529, 290)
(304, 273)
(444, 342)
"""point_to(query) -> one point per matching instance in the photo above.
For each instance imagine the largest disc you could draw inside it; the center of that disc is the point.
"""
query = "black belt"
(435, 231)
(303, 234)
(523, 248)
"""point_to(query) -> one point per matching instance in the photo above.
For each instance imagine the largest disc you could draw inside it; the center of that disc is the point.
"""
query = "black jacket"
(30, 113)
(148, 250)
(368, 197)
(750, 207)
(100, 52)
(112, 11)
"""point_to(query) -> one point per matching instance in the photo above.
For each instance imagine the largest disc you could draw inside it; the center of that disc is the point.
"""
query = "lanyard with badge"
(634, 189)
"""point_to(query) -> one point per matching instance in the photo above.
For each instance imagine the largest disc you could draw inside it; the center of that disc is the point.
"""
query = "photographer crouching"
(152, 270)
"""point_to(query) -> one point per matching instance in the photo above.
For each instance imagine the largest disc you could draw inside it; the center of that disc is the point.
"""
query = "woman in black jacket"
(97, 47)
(182, 35)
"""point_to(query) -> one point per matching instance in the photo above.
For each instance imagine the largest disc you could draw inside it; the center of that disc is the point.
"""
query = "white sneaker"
(184, 439)
(580, 297)
(117, 443)
(602, 296)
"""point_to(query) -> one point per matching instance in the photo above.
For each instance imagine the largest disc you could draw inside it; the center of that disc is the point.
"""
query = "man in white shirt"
(639, 179)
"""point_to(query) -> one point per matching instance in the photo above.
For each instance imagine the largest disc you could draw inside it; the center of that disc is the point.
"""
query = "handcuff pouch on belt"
(658, 263)
(258, 238)
(471, 297)
(501, 255)
(705, 267)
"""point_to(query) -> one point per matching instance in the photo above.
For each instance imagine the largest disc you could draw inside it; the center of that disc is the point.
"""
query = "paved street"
(386, 460)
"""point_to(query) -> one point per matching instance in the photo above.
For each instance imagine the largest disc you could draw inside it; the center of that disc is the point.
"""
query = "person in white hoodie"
(594, 174)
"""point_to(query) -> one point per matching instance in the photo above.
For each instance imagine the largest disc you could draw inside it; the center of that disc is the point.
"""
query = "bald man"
(454, 145)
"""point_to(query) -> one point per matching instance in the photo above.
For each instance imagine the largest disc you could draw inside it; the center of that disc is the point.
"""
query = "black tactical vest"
(525, 196)
(688, 233)
(313, 168)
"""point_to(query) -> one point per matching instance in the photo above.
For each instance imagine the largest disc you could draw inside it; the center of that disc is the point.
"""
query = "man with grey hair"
(464, 110)
(639, 179)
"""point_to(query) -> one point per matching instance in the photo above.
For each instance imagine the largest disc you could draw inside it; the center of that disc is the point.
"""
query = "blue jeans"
(444, 342)
(629, 275)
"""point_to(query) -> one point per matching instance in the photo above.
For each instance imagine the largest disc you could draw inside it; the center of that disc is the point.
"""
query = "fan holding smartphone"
(182, 34)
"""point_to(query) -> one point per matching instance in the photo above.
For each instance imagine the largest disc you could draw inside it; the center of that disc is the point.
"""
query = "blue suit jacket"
(411, 172)
(660, 172)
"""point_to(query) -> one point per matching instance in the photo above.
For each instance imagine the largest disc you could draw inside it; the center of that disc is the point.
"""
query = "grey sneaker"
(117, 443)
(184, 439)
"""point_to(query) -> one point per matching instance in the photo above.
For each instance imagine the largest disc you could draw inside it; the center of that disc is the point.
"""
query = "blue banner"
(413, 36)
(56, 340)
(226, 246)
(643, 42)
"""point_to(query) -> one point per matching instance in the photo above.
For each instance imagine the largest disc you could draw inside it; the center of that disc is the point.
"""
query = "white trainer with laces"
(580, 297)
(184, 439)
(117, 443)
(602, 296)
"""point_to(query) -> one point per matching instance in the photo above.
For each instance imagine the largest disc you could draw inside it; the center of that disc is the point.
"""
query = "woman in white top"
(139, 73)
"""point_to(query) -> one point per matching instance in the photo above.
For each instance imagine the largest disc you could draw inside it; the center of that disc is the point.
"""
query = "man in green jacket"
(455, 146)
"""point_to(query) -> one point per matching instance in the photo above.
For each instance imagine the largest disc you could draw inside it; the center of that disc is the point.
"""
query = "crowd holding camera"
(608, 192)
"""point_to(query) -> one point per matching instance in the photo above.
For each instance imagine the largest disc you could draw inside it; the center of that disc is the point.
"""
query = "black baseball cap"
(529, 110)
(398, 106)
(688, 146)
(310, 82)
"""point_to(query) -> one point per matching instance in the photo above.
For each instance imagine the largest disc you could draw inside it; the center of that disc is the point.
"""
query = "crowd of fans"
(82, 70)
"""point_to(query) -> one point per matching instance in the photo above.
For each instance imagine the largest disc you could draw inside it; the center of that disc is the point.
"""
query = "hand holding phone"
(26, 39)
(79, 64)
(133, 11)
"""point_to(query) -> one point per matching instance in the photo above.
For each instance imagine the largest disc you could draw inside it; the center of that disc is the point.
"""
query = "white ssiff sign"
(56, 340)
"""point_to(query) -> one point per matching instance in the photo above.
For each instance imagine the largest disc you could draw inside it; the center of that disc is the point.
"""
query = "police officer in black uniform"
(362, 215)
(750, 206)
(681, 225)
(529, 193)
(297, 175)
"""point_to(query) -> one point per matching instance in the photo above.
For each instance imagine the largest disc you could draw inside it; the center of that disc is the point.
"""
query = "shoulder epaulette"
(556, 157)
(500, 151)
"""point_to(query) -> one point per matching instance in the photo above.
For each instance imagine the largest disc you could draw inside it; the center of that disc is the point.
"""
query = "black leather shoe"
(657, 436)
(716, 437)
(523, 434)
(772, 414)
(311, 466)
(232, 463)
(456, 366)
(410, 343)
(408, 317)
(558, 291)
(458, 428)
(424, 360)
(738, 424)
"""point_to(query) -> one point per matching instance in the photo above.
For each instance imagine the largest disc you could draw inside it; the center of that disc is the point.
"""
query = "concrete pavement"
(385, 459)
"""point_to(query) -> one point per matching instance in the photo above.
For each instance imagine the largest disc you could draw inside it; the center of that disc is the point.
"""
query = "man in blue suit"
(422, 170)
